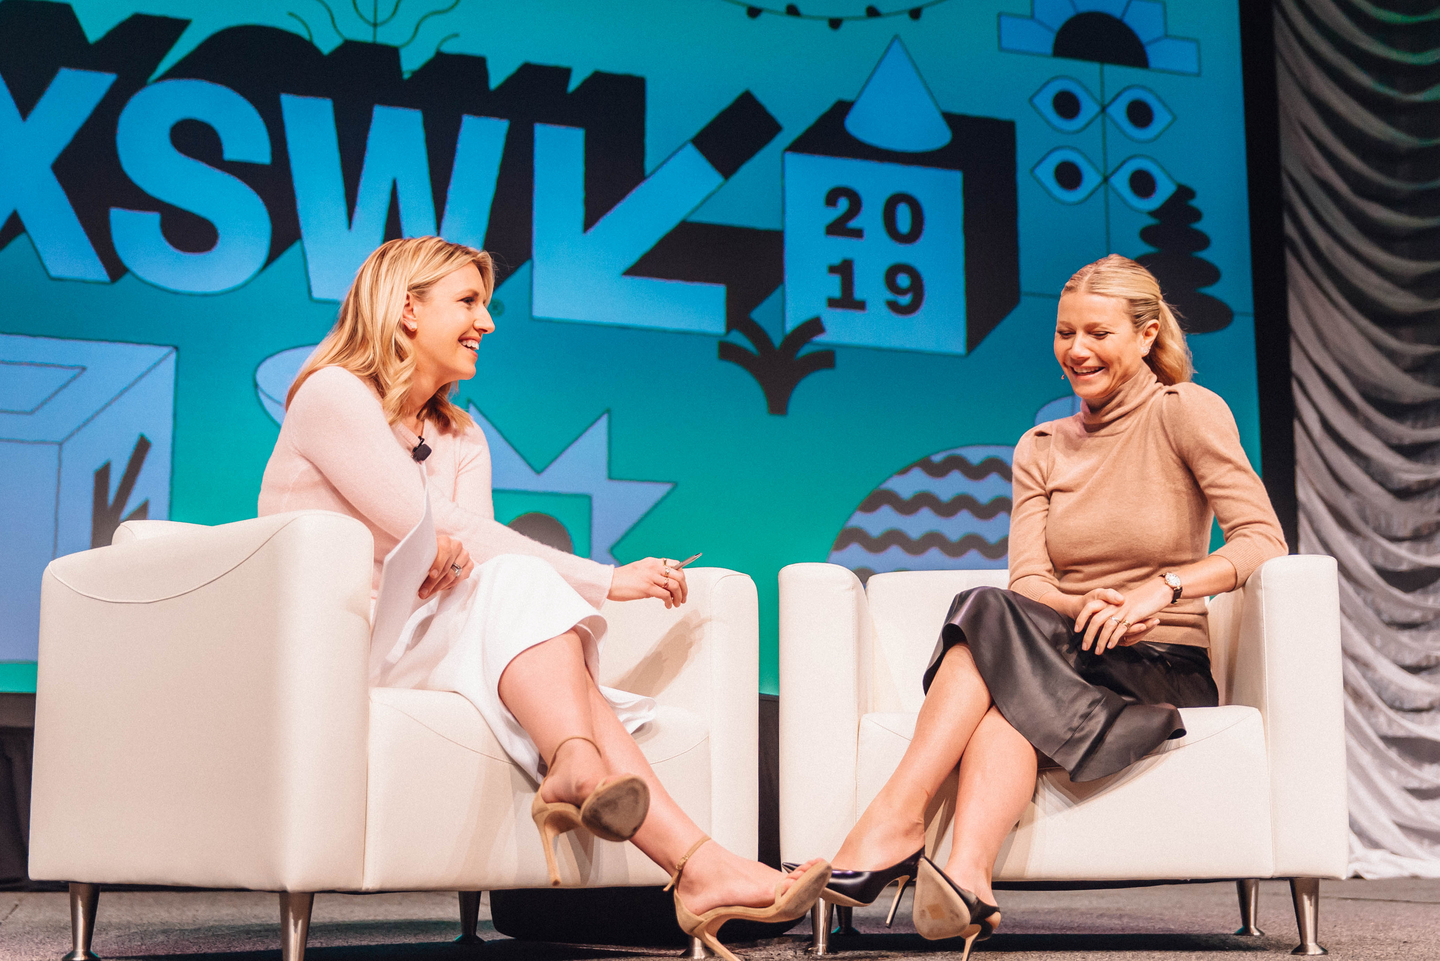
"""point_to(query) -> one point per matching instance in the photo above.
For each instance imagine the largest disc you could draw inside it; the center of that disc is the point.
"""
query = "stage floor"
(1370, 920)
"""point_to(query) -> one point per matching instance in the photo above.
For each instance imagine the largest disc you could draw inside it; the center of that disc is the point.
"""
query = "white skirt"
(463, 639)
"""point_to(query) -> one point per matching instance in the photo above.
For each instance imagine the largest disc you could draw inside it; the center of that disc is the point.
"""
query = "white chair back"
(908, 608)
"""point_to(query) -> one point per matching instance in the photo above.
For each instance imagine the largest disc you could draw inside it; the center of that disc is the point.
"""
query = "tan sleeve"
(1202, 430)
(1031, 572)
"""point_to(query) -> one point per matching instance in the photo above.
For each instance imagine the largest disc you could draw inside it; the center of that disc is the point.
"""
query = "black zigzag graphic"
(932, 540)
(955, 462)
(925, 500)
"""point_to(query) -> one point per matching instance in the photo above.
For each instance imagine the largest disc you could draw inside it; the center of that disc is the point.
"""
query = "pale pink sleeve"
(590, 579)
(336, 423)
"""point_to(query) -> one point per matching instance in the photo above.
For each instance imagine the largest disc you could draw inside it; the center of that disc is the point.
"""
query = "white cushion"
(448, 810)
(1166, 816)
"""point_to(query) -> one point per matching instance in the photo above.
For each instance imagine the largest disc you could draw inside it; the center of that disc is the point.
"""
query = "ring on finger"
(1115, 619)
(457, 569)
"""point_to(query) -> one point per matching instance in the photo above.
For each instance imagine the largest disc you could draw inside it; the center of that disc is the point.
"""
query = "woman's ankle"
(971, 875)
(575, 770)
(883, 837)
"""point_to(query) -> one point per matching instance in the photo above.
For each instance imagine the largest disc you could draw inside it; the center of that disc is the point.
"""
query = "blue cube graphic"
(85, 435)
(901, 221)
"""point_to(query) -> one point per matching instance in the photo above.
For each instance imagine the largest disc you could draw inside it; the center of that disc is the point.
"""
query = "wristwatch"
(1172, 581)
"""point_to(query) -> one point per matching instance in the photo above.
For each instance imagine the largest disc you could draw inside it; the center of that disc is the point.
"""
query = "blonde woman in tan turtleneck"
(1102, 634)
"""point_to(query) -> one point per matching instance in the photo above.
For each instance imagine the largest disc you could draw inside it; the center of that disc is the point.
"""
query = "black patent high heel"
(853, 889)
(943, 909)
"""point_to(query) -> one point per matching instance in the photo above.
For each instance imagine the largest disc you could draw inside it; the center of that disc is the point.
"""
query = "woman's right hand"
(649, 577)
(449, 555)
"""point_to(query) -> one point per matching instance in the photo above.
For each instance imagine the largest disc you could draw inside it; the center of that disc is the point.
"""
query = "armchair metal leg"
(822, 916)
(845, 920)
(469, 918)
(1306, 894)
(1249, 891)
(84, 898)
(294, 924)
(698, 950)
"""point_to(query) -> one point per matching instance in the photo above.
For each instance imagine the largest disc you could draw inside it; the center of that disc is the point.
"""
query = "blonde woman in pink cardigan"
(514, 626)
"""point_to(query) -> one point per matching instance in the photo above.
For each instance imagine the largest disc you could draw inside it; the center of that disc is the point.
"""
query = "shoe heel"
(711, 940)
(553, 820)
(894, 905)
(969, 943)
(548, 834)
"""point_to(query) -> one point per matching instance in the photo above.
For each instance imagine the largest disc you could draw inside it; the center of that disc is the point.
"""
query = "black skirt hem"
(1094, 715)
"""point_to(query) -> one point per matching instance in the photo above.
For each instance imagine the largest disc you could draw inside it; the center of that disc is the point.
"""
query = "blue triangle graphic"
(895, 110)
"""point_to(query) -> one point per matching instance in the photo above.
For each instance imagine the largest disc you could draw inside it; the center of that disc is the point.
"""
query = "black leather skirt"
(1092, 714)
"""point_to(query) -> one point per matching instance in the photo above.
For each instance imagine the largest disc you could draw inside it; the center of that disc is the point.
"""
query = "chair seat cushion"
(1197, 807)
(448, 810)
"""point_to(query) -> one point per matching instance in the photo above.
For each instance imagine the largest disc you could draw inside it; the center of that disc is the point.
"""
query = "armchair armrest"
(202, 712)
(1287, 664)
(704, 657)
(826, 643)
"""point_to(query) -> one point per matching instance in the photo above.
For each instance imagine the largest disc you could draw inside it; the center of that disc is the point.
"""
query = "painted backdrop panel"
(776, 287)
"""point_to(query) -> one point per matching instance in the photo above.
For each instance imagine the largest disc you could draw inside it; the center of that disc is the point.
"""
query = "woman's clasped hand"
(1109, 619)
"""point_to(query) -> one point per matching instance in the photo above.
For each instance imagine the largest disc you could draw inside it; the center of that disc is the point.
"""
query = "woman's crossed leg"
(958, 725)
(551, 693)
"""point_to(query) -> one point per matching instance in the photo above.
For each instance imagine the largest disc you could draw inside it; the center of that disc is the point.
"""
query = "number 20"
(841, 226)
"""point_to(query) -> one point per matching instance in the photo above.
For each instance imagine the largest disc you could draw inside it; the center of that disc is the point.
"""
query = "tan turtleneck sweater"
(1117, 497)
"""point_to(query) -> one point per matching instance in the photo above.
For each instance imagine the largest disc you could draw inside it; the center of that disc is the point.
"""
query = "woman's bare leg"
(553, 696)
(893, 826)
(997, 780)
(547, 688)
(713, 876)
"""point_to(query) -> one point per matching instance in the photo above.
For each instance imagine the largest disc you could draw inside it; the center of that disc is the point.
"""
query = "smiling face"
(445, 327)
(1097, 344)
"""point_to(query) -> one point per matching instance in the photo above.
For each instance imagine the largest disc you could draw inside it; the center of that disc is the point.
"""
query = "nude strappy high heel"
(787, 906)
(614, 811)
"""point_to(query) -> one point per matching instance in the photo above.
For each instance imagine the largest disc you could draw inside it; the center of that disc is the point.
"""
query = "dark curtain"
(1359, 94)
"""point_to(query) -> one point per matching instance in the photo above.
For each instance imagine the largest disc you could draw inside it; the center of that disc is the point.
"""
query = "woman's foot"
(714, 877)
(976, 881)
(886, 834)
(574, 772)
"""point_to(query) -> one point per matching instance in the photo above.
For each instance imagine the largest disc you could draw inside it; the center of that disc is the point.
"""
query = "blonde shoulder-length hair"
(1124, 279)
(366, 339)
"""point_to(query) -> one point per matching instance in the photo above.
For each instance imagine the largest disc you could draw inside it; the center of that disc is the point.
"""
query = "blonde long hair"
(366, 339)
(1122, 278)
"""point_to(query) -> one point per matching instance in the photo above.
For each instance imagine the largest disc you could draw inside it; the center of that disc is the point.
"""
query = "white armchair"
(203, 719)
(1255, 789)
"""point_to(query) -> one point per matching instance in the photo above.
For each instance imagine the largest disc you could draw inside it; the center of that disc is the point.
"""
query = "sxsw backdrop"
(779, 280)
